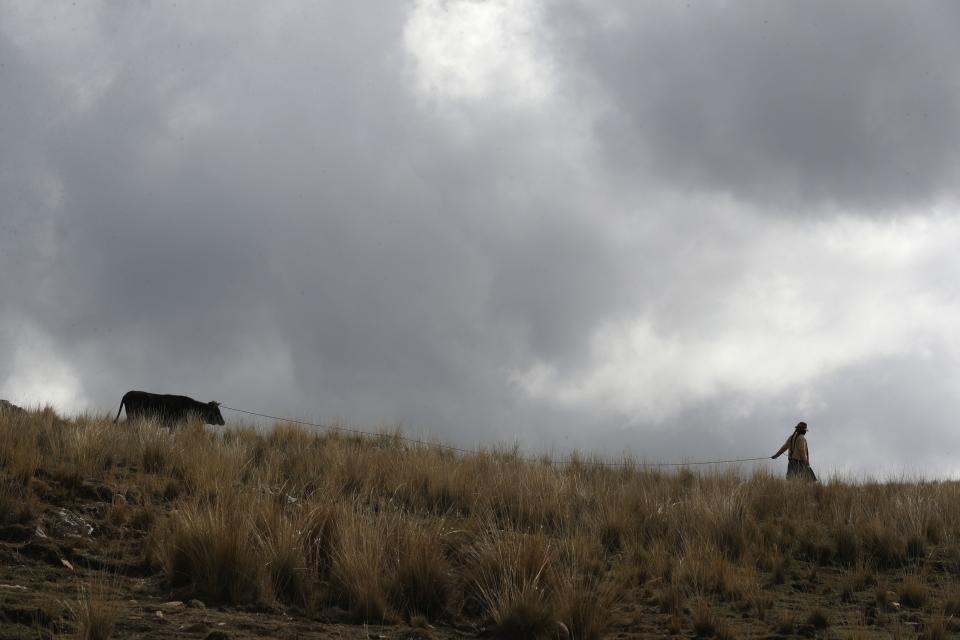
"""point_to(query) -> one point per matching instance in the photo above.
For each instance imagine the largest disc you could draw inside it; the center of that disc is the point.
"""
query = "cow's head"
(212, 414)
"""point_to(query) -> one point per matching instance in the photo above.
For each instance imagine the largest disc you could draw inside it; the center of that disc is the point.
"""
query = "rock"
(173, 604)
(561, 632)
(69, 523)
(196, 604)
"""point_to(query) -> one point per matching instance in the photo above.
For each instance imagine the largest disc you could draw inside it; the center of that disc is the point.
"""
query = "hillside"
(132, 530)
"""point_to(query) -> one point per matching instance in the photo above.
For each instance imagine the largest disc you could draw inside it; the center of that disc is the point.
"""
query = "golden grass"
(207, 550)
(93, 615)
(387, 531)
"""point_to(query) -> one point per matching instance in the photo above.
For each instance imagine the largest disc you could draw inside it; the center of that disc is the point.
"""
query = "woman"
(799, 456)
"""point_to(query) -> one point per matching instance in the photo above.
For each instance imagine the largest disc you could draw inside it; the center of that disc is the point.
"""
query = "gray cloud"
(793, 106)
(269, 209)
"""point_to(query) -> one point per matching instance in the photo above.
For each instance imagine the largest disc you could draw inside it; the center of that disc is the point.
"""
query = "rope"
(475, 452)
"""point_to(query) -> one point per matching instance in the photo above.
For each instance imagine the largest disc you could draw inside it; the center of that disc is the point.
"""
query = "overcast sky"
(666, 229)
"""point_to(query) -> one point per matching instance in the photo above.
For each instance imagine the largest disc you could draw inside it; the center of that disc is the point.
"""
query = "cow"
(168, 409)
(7, 406)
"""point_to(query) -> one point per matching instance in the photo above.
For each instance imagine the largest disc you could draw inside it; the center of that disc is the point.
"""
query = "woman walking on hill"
(799, 456)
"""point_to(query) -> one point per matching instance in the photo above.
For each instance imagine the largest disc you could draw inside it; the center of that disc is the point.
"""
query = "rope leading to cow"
(447, 447)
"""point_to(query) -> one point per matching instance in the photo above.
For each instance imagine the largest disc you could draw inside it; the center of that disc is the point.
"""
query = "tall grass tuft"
(208, 551)
(93, 614)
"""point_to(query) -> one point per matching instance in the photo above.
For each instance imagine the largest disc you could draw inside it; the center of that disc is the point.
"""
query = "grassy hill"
(132, 530)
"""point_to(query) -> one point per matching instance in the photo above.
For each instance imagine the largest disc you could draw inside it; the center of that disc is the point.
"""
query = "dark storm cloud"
(314, 218)
(267, 208)
(791, 105)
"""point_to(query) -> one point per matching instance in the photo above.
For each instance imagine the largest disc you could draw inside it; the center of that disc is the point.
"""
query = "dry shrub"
(933, 530)
(916, 546)
(209, 464)
(586, 592)
(436, 484)
(320, 526)
(847, 593)
(777, 568)
(635, 568)
(507, 577)
(670, 599)
(786, 624)
(155, 448)
(280, 545)
(18, 505)
(818, 619)
(358, 569)
(208, 550)
(522, 612)
(613, 530)
(846, 545)
(862, 577)
(949, 560)
(913, 592)
(883, 545)
(726, 582)
(142, 518)
(119, 511)
(20, 453)
(93, 615)
(586, 608)
(423, 578)
(762, 603)
(705, 621)
(86, 451)
(934, 629)
(951, 602)
(662, 564)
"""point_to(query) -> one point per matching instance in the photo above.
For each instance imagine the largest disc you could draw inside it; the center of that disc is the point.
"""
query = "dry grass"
(359, 569)
(951, 602)
(818, 619)
(93, 615)
(208, 551)
(388, 531)
(914, 592)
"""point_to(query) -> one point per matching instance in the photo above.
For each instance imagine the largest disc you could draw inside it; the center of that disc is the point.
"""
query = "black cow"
(168, 409)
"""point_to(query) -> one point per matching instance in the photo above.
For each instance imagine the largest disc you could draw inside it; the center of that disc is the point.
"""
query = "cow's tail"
(122, 402)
